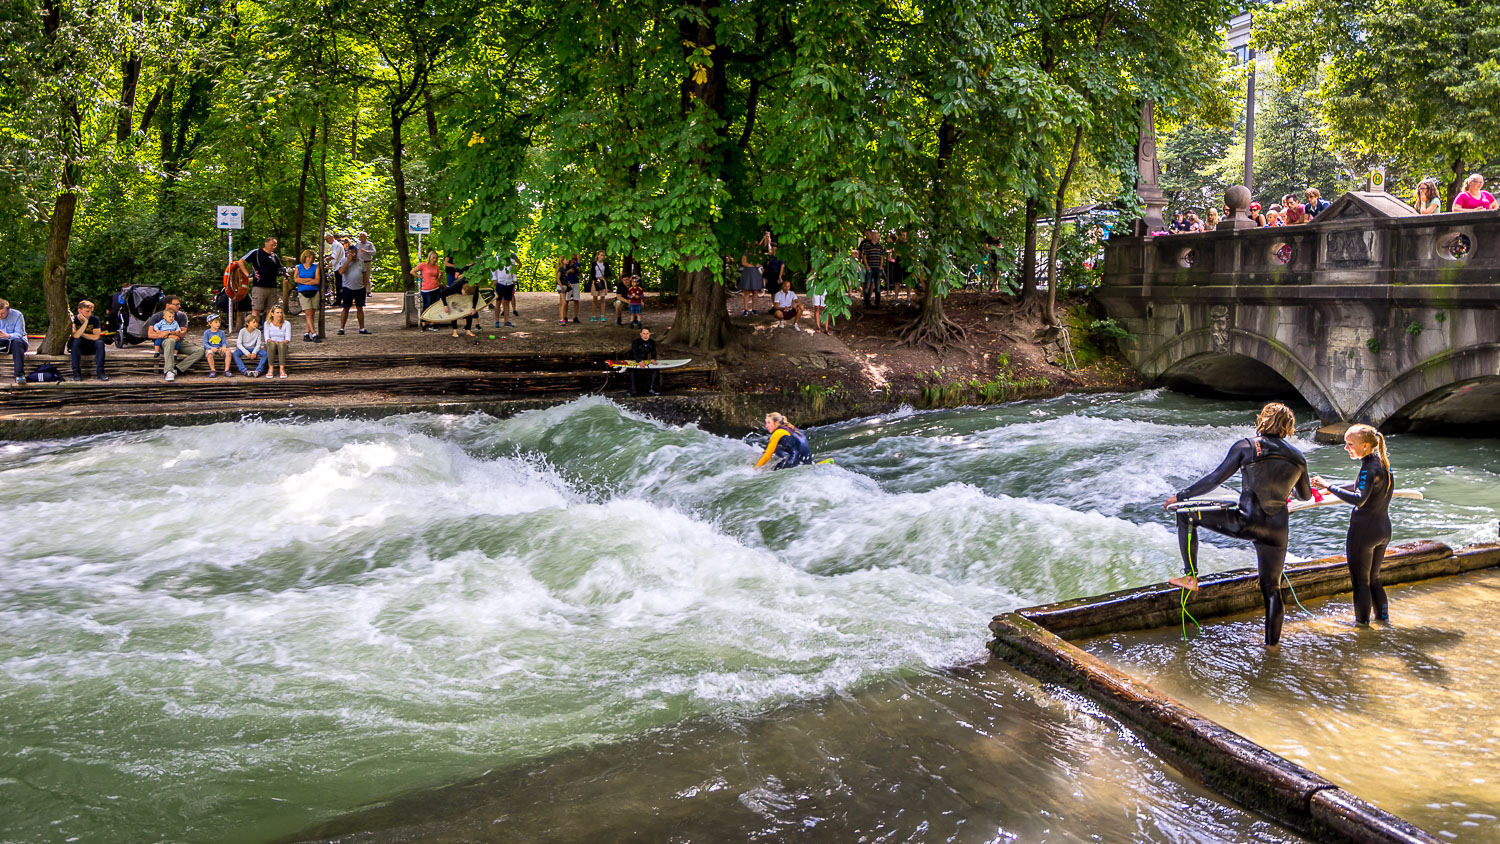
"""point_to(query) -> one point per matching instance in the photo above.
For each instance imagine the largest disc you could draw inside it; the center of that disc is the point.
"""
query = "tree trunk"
(307, 149)
(403, 247)
(1457, 184)
(701, 322)
(432, 124)
(1049, 313)
(702, 318)
(130, 75)
(55, 274)
(323, 275)
(1028, 254)
(932, 327)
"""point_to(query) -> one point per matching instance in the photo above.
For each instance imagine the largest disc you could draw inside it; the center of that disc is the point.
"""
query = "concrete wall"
(1371, 316)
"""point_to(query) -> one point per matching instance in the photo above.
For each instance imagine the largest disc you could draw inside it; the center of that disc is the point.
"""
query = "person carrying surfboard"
(1370, 521)
(643, 352)
(1271, 470)
(787, 443)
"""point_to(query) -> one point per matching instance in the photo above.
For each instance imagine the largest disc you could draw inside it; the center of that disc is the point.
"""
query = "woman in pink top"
(430, 272)
(1474, 196)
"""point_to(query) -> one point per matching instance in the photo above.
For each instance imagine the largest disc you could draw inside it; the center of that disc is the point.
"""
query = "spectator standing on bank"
(567, 289)
(87, 339)
(354, 287)
(216, 344)
(1474, 197)
(278, 339)
(309, 292)
(872, 262)
(1316, 204)
(429, 275)
(13, 338)
(775, 270)
(752, 281)
(170, 328)
(264, 268)
(1427, 197)
(333, 252)
(637, 297)
(505, 291)
(250, 345)
(599, 285)
(1213, 220)
(818, 302)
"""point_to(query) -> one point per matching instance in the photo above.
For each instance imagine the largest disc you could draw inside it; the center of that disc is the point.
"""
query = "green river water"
(580, 624)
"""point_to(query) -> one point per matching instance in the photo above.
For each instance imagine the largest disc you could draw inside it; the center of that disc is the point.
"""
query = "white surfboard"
(637, 364)
(458, 306)
(1225, 498)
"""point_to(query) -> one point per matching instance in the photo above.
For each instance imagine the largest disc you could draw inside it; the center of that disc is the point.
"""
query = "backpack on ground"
(45, 373)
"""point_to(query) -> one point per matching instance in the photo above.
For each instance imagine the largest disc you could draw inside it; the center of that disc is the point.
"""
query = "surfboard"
(458, 306)
(635, 364)
(1225, 498)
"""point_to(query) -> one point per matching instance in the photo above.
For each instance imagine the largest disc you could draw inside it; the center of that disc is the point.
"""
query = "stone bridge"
(1371, 313)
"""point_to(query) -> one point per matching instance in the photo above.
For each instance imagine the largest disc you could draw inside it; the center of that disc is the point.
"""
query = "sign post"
(418, 224)
(229, 218)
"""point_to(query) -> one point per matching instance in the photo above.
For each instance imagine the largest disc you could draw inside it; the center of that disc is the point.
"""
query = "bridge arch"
(1455, 389)
(1200, 355)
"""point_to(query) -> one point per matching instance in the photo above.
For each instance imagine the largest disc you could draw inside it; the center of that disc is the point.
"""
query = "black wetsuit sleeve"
(1369, 484)
(1303, 490)
(1239, 455)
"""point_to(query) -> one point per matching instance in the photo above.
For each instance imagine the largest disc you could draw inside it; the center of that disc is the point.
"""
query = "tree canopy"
(675, 132)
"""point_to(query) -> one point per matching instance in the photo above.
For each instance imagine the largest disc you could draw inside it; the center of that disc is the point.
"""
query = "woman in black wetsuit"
(1271, 469)
(1370, 523)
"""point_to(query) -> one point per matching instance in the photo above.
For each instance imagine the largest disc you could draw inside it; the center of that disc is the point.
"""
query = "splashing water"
(230, 632)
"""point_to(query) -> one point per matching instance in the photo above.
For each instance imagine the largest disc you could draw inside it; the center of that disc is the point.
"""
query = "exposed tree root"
(933, 330)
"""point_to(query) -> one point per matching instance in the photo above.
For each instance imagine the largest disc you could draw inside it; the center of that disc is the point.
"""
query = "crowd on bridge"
(1288, 211)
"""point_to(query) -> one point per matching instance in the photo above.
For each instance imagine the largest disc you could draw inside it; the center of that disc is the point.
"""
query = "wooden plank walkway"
(192, 391)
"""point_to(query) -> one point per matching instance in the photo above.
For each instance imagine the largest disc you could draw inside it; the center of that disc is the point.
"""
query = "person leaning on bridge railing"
(1427, 197)
(1474, 197)
(1316, 204)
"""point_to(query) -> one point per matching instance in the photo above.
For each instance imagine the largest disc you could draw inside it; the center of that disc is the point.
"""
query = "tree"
(1395, 79)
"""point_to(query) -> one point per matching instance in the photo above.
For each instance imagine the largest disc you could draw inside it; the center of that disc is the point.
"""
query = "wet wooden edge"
(1034, 640)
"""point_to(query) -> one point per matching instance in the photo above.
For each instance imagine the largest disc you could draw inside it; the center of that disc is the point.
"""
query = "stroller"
(131, 311)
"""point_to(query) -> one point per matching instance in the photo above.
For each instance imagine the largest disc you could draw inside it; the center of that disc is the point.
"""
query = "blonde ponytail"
(1376, 440)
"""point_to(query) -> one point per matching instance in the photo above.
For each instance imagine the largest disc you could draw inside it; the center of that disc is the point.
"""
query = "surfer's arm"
(1303, 490)
(770, 448)
(1238, 456)
(1359, 494)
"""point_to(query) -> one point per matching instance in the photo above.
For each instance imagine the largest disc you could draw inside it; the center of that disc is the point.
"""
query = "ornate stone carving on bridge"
(1219, 327)
(1351, 248)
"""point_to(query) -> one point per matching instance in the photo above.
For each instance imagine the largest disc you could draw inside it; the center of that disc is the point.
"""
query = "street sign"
(419, 223)
(1377, 179)
(231, 217)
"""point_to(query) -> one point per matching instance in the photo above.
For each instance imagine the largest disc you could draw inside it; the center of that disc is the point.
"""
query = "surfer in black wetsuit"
(643, 351)
(1270, 470)
(1370, 523)
(788, 444)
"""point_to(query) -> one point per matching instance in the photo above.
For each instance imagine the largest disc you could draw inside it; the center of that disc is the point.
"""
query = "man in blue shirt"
(13, 337)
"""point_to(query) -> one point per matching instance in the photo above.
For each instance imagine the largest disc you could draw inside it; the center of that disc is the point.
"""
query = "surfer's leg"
(1358, 553)
(1271, 560)
(1377, 591)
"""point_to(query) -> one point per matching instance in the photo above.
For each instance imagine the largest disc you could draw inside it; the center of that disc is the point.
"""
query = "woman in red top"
(430, 272)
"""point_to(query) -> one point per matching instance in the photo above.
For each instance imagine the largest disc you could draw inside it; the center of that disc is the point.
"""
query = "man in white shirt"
(505, 292)
(787, 307)
(354, 281)
(333, 249)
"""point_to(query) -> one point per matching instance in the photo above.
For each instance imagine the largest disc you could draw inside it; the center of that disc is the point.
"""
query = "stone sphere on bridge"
(1238, 200)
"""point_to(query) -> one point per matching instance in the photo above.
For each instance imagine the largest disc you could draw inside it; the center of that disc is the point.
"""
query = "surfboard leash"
(1183, 591)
